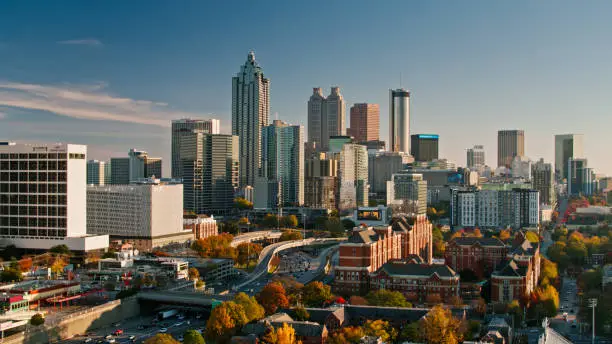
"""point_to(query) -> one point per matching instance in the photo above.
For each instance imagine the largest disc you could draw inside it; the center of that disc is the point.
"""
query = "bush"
(37, 319)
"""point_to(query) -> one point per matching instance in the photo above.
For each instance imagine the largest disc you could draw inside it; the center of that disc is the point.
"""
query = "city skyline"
(138, 95)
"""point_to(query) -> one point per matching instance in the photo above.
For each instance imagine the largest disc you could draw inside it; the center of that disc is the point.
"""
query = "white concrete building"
(148, 214)
(43, 196)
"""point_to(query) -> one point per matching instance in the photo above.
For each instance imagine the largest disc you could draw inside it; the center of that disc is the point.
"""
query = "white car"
(163, 330)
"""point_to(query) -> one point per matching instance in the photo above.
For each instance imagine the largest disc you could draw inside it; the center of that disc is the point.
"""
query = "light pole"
(593, 304)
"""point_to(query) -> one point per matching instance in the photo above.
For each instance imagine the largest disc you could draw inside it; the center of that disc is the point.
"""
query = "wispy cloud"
(92, 42)
(89, 102)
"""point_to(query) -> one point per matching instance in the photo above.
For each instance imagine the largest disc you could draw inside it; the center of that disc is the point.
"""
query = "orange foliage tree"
(216, 246)
(272, 297)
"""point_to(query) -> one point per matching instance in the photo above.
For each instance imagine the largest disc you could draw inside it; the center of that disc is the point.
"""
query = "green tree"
(348, 224)
(252, 309)
(314, 294)
(37, 319)
(270, 221)
(335, 227)
(411, 333)
(290, 235)
(230, 227)
(301, 314)
(193, 337)
(242, 204)
(290, 221)
(387, 298)
(590, 280)
(60, 249)
(11, 275)
(161, 338)
(576, 251)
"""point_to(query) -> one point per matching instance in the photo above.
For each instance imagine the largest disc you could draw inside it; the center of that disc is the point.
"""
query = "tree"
(290, 235)
(335, 227)
(348, 334)
(25, 264)
(314, 294)
(301, 314)
(576, 250)
(285, 335)
(270, 221)
(161, 338)
(439, 326)
(548, 272)
(411, 332)
(37, 319)
(387, 298)
(504, 235)
(216, 246)
(193, 337)
(358, 301)
(243, 221)
(532, 236)
(433, 299)
(290, 221)
(477, 233)
(242, 203)
(11, 275)
(58, 266)
(224, 321)
(252, 309)
(193, 273)
(60, 249)
(548, 296)
(380, 328)
(108, 254)
(514, 308)
(439, 246)
(246, 251)
(273, 296)
(481, 306)
(230, 227)
(348, 224)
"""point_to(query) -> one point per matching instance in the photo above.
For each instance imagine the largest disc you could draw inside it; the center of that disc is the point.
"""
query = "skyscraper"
(250, 113)
(282, 166)
(96, 172)
(475, 157)
(411, 189)
(353, 177)
(542, 179)
(43, 197)
(399, 121)
(365, 122)
(321, 180)
(424, 147)
(510, 143)
(568, 146)
(580, 177)
(326, 117)
(187, 125)
(210, 168)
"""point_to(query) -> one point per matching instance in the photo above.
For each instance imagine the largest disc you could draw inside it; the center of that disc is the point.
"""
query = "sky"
(112, 74)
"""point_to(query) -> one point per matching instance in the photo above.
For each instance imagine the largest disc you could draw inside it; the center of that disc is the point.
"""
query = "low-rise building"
(481, 255)
(202, 226)
(215, 269)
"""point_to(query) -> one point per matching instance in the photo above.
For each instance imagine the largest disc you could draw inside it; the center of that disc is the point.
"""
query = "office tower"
(542, 179)
(325, 117)
(424, 147)
(580, 178)
(250, 113)
(148, 213)
(410, 189)
(476, 157)
(365, 122)
(108, 173)
(120, 171)
(381, 166)
(353, 177)
(187, 125)
(138, 165)
(43, 197)
(96, 172)
(210, 166)
(510, 143)
(282, 164)
(521, 167)
(399, 121)
(321, 180)
(568, 146)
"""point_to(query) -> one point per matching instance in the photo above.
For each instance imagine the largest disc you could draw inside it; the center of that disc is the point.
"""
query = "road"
(568, 304)
(174, 326)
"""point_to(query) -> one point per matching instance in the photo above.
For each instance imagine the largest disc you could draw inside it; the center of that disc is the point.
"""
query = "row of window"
(17, 199)
(33, 222)
(33, 165)
(32, 232)
(38, 156)
(13, 210)
(32, 188)
(32, 177)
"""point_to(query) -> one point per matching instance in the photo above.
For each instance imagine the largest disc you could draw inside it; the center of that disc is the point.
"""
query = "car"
(163, 330)
(180, 323)
(112, 340)
(108, 336)
(118, 332)
(88, 340)
(132, 337)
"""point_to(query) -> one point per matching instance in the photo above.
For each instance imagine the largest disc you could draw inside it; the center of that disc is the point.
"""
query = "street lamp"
(593, 304)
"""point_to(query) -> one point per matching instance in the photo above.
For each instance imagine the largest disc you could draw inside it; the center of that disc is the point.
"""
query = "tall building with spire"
(250, 113)
(399, 120)
(326, 117)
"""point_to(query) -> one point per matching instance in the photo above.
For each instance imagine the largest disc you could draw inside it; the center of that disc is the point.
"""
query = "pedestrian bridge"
(182, 298)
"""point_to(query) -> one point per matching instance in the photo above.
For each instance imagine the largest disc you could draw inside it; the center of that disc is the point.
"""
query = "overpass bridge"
(255, 236)
(183, 298)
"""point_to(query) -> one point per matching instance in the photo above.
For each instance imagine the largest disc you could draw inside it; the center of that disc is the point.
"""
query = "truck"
(167, 314)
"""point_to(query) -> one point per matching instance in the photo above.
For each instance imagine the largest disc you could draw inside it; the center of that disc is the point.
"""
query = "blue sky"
(112, 74)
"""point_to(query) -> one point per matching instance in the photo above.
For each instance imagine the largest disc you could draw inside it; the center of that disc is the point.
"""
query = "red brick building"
(481, 255)
(202, 226)
(368, 248)
(416, 280)
(520, 272)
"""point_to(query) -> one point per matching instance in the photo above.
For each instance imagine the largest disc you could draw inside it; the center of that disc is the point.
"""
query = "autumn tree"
(193, 337)
(285, 335)
(272, 297)
(514, 308)
(348, 334)
(224, 321)
(193, 273)
(440, 327)
(301, 314)
(58, 266)
(548, 297)
(246, 251)
(252, 309)
(161, 338)
(358, 301)
(37, 319)
(504, 235)
(380, 328)
(548, 272)
(242, 203)
(293, 288)
(439, 245)
(270, 221)
(25, 264)
(387, 298)
(290, 235)
(433, 299)
(532, 236)
(289, 221)
(314, 294)
(216, 246)
(455, 301)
